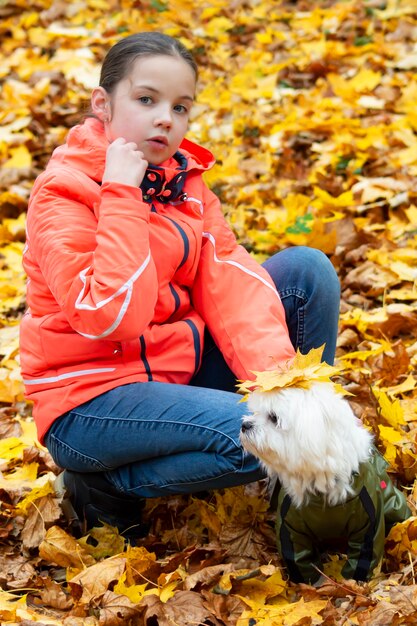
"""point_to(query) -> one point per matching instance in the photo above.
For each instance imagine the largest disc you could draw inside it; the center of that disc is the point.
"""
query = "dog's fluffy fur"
(310, 438)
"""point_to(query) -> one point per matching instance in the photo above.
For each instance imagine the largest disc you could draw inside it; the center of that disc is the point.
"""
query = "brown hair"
(120, 57)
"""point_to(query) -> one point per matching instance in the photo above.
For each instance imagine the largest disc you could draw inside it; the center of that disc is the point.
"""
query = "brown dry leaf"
(9, 424)
(336, 590)
(348, 338)
(370, 279)
(6, 529)
(404, 599)
(41, 456)
(117, 610)
(248, 539)
(16, 571)
(394, 604)
(207, 576)
(400, 321)
(94, 581)
(185, 608)
(227, 609)
(180, 537)
(53, 595)
(60, 548)
(42, 513)
(391, 366)
(141, 566)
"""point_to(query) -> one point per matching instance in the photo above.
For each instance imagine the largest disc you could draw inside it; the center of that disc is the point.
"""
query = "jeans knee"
(307, 269)
(322, 272)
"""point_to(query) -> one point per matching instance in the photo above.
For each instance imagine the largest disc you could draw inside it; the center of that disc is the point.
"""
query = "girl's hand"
(125, 164)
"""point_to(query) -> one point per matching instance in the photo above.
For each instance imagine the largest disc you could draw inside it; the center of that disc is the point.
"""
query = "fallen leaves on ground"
(310, 111)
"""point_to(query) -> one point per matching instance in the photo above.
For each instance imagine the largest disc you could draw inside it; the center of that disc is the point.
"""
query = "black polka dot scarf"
(155, 187)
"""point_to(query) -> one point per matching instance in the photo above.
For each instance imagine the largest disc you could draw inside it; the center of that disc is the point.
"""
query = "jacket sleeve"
(97, 264)
(237, 299)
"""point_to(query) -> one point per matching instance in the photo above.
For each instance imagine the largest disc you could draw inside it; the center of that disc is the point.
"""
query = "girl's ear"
(100, 104)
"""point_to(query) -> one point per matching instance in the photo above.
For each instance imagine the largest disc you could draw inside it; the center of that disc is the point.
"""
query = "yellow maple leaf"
(333, 567)
(224, 585)
(103, 541)
(27, 473)
(168, 591)
(411, 214)
(29, 432)
(363, 355)
(390, 410)
(11, 448)
(20, 158)
(218, 26)
(135, 593)
(9, 605)
(408, 384)
(365, 80)
(343, 200)
(283, 613)
(35, 494)
(402, 540)
(300, 372)
(261, 590)
(390, 438)
(407, 156)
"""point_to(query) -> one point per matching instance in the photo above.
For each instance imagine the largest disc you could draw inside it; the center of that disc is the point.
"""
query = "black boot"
(90, 500)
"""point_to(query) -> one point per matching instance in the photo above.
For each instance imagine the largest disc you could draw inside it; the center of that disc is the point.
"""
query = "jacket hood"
(86, 145)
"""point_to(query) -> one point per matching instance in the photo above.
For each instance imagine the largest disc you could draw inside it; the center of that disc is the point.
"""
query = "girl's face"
(151, 106)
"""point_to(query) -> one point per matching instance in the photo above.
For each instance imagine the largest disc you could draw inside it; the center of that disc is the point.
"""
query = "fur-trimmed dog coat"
(361, 524)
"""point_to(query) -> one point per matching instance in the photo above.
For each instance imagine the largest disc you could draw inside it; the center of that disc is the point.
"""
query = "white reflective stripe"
(198, 202)
(116, 322)
(54, 379)
(187, 199)
(212, 240)
(26, 247)
(128, 287)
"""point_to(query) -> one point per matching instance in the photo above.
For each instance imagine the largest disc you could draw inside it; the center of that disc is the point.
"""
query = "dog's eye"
(273, 417)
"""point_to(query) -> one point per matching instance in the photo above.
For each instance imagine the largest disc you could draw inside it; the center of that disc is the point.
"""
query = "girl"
(143, 310)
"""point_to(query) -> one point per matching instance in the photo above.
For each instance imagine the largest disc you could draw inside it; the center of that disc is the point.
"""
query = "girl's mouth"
(159, 141)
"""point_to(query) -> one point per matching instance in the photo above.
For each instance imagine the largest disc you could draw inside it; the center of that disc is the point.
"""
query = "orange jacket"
(119, 292)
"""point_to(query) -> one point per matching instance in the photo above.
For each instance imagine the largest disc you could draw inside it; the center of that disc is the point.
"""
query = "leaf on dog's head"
(301, 371)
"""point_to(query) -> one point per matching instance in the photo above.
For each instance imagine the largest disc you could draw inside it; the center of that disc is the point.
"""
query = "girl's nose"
(163, 118)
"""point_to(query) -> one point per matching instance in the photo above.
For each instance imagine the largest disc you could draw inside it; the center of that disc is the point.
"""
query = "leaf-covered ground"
(310, 108)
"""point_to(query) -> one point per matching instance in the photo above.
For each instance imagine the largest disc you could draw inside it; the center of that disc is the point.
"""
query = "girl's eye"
(180, 108)
(145, 99)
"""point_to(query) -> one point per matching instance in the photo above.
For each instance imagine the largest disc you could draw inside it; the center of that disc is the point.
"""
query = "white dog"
(310, 438)
(333, 482)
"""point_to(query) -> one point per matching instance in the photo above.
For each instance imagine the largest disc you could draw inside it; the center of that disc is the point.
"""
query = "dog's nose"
(246, 426)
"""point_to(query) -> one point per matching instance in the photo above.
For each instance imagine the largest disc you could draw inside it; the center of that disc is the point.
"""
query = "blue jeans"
(153, 439)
